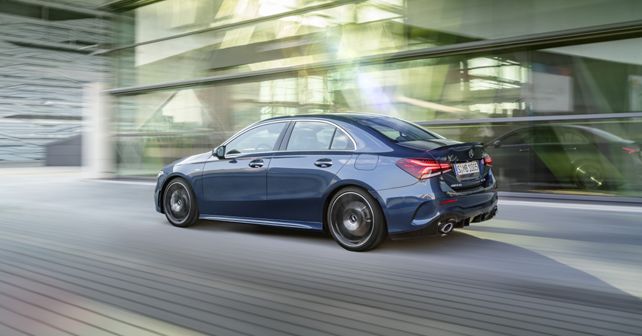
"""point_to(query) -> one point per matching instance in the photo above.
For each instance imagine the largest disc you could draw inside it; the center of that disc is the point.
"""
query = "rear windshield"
(399, 130)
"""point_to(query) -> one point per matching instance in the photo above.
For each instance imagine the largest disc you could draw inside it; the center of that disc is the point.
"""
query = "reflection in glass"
(250, 38)
(600, 157)
(255, 140)
(540, 113)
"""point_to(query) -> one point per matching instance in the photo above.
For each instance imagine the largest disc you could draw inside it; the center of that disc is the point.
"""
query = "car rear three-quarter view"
(360, 177)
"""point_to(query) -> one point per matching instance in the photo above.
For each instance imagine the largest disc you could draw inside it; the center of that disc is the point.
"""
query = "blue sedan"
(359, 177)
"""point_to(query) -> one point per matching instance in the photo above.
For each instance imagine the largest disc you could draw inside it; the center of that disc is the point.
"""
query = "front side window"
(317, 136)
(259, 139)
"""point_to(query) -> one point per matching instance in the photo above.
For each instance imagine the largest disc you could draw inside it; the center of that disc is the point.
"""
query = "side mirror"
(496, 143)
(219, 152)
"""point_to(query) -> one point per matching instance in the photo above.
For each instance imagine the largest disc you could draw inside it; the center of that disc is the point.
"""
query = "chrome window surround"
(262, 123)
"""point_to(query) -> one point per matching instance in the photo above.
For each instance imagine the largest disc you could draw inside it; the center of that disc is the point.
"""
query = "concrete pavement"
(80, 257)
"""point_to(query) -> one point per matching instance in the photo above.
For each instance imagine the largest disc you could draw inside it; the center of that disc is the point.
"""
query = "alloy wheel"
(178, 203)
(351, 219)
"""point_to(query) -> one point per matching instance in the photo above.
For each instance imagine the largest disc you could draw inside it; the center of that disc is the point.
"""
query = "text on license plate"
(466, 168)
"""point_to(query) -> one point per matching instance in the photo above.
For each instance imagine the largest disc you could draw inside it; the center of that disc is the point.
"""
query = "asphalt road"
(80, 257)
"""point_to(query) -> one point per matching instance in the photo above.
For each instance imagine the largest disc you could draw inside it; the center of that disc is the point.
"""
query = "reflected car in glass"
(577, 156)
(360, 177)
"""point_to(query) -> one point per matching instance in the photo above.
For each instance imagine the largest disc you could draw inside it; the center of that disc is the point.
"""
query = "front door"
(236, 185)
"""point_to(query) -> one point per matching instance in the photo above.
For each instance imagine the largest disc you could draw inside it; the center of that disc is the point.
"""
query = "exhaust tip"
(446, 227)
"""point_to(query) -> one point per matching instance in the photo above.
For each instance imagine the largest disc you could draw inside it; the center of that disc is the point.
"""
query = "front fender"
(190, 172)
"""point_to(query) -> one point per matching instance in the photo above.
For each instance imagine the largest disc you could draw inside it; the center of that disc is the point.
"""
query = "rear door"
(300, 174)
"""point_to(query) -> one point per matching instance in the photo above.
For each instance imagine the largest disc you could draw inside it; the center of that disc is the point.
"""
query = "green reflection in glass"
(342, 30)
(500, 90)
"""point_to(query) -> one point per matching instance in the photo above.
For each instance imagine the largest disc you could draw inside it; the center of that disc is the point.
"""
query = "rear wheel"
(179, 203)
(355, 220)
(590, 176)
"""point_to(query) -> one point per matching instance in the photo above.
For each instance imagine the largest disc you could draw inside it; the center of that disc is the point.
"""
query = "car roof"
(346, 117)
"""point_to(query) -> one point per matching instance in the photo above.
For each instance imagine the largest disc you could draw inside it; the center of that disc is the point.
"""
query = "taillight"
(423, 168)
(488, 161)
(631, 150)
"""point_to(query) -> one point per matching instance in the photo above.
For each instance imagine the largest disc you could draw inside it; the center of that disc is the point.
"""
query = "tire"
(355, 220)
(179, 203)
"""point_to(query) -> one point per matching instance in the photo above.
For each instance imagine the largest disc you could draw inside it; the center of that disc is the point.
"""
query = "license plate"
(467, 168)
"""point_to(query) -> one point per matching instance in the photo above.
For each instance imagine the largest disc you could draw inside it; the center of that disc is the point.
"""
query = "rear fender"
(351, 183)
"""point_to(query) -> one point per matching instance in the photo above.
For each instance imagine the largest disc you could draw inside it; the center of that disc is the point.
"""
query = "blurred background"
(97, 95)
(552, 88)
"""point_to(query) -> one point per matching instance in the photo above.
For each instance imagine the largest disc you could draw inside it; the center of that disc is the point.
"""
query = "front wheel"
(179, 203)
(355, 220)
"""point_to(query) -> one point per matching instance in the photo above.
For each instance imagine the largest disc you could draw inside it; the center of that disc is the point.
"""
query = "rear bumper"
(418, 209)
(461, 215)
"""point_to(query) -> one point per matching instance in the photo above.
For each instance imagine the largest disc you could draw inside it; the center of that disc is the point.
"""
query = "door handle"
(323, 163)
(258, 163)
(524, 150)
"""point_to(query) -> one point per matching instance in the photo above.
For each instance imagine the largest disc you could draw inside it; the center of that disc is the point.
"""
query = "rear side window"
(570, 136)
(341, 141)
(317, 136)
(543, 136)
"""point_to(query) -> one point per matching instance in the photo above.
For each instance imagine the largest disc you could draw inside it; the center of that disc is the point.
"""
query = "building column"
(97, 146)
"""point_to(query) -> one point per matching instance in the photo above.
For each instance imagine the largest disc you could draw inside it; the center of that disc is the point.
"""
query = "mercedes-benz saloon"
(360, 177)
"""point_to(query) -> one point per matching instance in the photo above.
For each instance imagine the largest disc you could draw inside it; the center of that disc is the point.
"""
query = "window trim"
(284, 137)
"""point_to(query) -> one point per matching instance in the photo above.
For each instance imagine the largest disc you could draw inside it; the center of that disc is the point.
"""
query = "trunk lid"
(465, 158)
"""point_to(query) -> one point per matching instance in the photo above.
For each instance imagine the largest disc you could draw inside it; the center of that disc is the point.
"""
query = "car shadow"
(515, 269)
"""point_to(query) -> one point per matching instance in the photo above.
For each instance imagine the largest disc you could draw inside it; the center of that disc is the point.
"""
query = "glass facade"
(564, 116)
